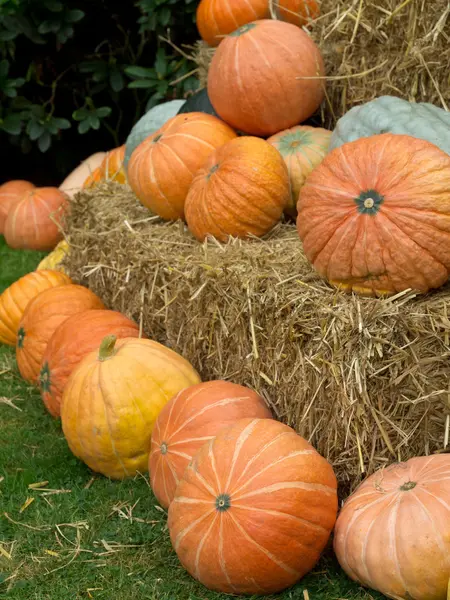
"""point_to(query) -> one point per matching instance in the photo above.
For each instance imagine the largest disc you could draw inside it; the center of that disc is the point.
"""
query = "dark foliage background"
(75, 75)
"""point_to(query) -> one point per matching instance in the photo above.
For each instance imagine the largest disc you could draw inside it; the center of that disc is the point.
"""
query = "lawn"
(68, 534)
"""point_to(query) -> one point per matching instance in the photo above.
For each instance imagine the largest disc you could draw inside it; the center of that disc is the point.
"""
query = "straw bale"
(365, 380)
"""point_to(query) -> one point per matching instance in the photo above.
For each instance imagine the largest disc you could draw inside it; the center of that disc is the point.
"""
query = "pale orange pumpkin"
(254, 509)
(297, 12)
(393, 533)
(10, 194)
(374, 216)
(113, 398)
(218, 18)
(34, 222)
(161, 168)
(42, 317)
(193, 417)
(266, 77)
(241, 190)
(17, 296)
(302, 148)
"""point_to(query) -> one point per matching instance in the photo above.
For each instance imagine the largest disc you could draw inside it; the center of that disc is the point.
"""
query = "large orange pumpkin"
(10, 194)
(34, 221)
(42, 317)
(241, 190)
(254, 509)
(15, 299)
(113, 398)
(374, 216)
(393, 533)
(256, 81)
(193, 417)
(303, 148)
(297, 12)
(218, 18)
(162, 167)
(72, 340)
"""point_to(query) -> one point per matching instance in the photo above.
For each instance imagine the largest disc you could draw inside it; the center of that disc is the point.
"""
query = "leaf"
(161, 62)
(142, 83)
(44, 142)
(103, 111)
(84, 126)
(10, 92)
(54, 5)
(12, 124)
(7, 36)
(73, 16)
(94, 121)
(48, 26)
(164, 16)
(34, 130)
(140, 72)
(80, 114)
(4, 68)
(116, 81)
(61, 123)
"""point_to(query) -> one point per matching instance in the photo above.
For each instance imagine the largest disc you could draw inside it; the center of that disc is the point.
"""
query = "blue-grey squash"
(388, 114)
(148, 124)
(199, 102)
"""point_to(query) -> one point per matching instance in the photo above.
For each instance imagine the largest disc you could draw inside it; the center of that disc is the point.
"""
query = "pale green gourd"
(388, 114)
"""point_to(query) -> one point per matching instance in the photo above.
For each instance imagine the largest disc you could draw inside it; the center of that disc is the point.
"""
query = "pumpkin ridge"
(196, 139)
(200, 547)
(189, 528)
(392, 522)
(281, 513)
(177, 158)
(437, 530)
(243, 437)
(202, 480)
(337, 238)
(342, 222)
(281, 485)
(264, 58)
(237, 74)
(155, 181)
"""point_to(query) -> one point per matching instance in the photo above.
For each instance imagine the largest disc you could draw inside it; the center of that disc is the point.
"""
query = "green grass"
(90, 537)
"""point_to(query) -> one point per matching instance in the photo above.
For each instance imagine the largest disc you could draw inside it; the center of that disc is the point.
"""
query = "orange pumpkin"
(72, 340)
(42, 317)
(95, 177)
(218, 18)
(113, 398)
(161, 168)
(241, 190)
(297, 12)
(303, 148)
(191, 418)
(256, 81)
(254, 509)
(34, 221)
(10, 194)
(393, 533)
(374, 216)
(111, 169)
(15, 299)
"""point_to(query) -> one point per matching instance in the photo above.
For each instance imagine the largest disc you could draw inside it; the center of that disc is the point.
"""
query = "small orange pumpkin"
(10, 193)
(303, 148)
(193, 417)
(111, 169)
(162, 167)
(95, 177)
(15, 299)
(374, 216)
(254, 510)
(34, 221)
(113, 398)
(218, 18)
(42, 317)
(241, 190)
(297, 12)
(71, 342)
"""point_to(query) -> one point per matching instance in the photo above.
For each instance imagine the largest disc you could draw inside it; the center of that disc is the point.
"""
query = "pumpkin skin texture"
(302, 148)
(253, 78)
(73, 183)
(112, 165)
(162, 167)
(217, 18)
(71, 342)
(33, 222)
(393, 533)
(16, 298)
(254, 509)
(53, 260)
(374, 216)
(42, 317)
(113, 398)
(10, 194)
(297, 12)
(388, 114)
(241, 190)
(193, 417)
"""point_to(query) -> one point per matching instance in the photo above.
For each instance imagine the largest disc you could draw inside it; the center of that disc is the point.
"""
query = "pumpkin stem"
(409, 485)
(107, 347)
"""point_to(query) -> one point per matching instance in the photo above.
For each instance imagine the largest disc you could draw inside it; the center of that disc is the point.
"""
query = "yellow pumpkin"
(112, 399)
(53, 260)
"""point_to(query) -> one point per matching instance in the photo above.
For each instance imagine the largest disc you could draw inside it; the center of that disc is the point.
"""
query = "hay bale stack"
(365, 380)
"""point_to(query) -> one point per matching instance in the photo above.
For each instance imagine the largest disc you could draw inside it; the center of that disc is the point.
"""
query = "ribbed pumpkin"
(393, 533)
(33, 221)
(16, 298)
(303, 148)
(71, 342)
(111, 169)
(193, 417)
(241, 190)
(113, 398)
(297, 12)
(162, 167)
(217, 18)
(53, 260)
(42, 317)
(10, 193)
(374, 216)
(73, 183)
(255, 79)
(254, 509)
